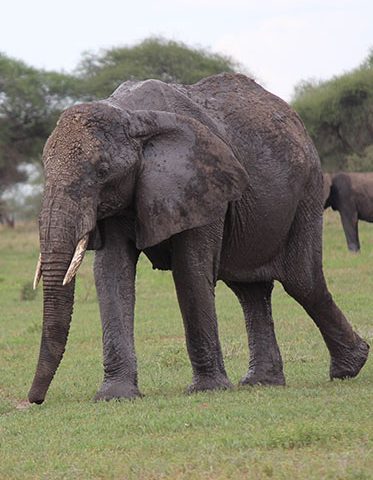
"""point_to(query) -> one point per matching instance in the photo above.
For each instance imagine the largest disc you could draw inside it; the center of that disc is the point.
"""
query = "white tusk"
(76, 260)
(37, 276)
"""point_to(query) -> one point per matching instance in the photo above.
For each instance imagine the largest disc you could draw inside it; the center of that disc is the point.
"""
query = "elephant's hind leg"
(348, 351)
(265, 362)
(304, 281)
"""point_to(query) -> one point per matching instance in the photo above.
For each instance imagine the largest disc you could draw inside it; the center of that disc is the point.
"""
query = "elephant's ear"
(187, 178)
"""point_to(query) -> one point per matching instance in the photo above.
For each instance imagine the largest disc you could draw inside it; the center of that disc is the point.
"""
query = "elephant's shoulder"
(342, 180)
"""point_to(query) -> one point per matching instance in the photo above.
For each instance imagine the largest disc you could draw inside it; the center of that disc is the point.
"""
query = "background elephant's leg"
(115, 269)
(265, 364)
(349, 220)
(195, 258)
(304, 280)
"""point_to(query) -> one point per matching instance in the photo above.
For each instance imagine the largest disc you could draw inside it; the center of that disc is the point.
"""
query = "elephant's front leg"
(115, 269)
(195, 258)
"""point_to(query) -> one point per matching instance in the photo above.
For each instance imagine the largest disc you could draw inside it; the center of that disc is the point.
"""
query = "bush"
(338, 114)
(361, 163)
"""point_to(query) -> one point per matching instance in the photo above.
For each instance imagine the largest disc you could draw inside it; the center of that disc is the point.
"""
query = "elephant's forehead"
(71, 142)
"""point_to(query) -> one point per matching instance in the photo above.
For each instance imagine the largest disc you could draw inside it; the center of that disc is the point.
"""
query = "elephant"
(352, 195)
(212, 181)
(327, 184)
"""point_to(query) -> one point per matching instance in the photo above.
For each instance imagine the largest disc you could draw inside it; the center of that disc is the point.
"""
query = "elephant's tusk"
(76, 260)
(37, 276)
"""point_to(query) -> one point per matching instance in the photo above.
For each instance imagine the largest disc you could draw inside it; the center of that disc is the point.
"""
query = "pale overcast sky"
(279, 41)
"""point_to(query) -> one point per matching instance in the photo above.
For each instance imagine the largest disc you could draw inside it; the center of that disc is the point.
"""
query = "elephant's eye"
(102, 170)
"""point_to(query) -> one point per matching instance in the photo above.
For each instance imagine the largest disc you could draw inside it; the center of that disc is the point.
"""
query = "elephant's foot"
(273, 377)
(202, 383)
(118, 391)
(349, 361)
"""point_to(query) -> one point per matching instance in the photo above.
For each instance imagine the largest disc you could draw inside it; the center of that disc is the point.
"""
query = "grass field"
(311, 429)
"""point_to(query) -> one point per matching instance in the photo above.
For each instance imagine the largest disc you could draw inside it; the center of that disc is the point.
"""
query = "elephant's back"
(362, 179)
(362, 186)
(260, 125)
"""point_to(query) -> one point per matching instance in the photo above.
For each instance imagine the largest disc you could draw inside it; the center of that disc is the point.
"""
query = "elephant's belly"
(248, 263)
(254, 242)
(365, 210)
(160, 255)
(362, 187)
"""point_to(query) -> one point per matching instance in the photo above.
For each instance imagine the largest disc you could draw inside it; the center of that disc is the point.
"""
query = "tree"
(368, 62)
(339, 117)
(30, 102)
(158, 58)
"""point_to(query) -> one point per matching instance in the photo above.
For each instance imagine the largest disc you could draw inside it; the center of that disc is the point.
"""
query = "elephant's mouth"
(77, 259)
(75, 263)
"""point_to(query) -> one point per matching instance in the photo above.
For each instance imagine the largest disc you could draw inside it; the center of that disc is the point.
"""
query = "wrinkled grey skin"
(352, 195)
(214, 181)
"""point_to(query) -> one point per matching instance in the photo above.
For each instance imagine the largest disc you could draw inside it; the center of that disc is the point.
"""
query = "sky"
(279, 42)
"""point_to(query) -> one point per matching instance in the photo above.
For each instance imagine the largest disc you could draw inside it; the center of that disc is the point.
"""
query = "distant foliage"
(361, 163)
(24, 200)
(30, 102)
(338, 114)
(6, 216)
(158, 58)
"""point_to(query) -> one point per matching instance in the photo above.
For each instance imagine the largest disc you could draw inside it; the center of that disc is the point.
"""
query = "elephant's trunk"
(61, 228)
(57, 311)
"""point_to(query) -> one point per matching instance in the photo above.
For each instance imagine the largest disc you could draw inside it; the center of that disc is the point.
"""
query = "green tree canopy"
(30, 101)
(339, 117)
(158, 58)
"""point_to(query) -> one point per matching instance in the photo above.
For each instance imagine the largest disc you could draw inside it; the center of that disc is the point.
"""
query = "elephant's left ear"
(187, 178)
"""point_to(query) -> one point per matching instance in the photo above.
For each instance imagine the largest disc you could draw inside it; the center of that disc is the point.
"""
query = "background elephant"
(214, 181)
(352, 195)
(327, 187)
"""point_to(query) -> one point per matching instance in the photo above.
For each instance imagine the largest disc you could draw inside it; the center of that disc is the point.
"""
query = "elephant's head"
(170, 171)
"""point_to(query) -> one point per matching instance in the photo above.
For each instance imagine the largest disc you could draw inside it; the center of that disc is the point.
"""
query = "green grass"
(312, 429)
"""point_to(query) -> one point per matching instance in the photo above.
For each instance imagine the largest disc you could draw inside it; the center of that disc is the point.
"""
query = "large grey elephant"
(214, 181)
(352, 195)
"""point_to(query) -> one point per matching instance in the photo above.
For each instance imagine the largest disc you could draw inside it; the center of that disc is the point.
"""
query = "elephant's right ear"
(188, 176)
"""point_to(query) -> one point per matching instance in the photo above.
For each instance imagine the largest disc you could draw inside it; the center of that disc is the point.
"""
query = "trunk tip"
(36, 398)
